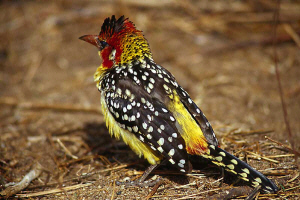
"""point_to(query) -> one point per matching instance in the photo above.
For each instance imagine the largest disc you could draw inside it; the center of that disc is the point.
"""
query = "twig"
(103, 158)
(87, 175)
(197, 194)
(64, 189)
(154, 189)
(277, 172)
(159, 172)
(289, 29)
(285, 115)
(33, 174)
(66, 149)
(284, 146)
(233, 192)
(253, 132)
(294, 178)
(292, 188)
(218, 180)
(263, 157)
(184, 186)
(253, 193)
(201, 176)
(113, 192)
(281, 156)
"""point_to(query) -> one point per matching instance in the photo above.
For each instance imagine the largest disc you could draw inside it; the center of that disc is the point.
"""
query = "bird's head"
(119, 42)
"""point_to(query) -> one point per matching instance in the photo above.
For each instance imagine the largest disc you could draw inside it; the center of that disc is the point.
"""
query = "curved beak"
(92, 39)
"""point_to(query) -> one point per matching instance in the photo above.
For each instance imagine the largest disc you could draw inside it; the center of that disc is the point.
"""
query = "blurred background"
(221, 52)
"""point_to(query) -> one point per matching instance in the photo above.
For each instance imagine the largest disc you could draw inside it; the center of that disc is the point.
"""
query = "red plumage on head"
(119, 42)
(114, 32)
(112, 27)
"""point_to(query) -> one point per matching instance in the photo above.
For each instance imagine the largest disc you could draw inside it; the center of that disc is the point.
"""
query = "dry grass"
(220, 52)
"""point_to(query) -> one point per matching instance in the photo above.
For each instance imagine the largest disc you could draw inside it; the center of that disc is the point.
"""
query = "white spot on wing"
(180, 165)
(171, 161)
(142, 138)
(171, 152)
(161, 141)
(144, 125)
(160, 149)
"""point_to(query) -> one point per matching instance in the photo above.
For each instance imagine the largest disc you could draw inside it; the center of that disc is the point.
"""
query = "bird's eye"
(101, 44)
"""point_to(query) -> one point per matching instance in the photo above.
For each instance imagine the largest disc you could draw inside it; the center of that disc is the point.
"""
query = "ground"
(222, 53)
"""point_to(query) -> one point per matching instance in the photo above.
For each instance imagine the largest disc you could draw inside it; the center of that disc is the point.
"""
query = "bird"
(144, 105)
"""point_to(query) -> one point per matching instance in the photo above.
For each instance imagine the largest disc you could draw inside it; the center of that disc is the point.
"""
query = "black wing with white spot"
(166, 83)
(198, 115)
(145, 116)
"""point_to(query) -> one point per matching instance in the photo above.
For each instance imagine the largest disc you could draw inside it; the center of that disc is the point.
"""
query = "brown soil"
(220, 52)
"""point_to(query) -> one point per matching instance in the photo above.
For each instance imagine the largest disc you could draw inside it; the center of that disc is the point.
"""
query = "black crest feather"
(112, 25)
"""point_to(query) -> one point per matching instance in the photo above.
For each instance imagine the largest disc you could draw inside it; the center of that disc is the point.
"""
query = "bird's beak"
(92, 39)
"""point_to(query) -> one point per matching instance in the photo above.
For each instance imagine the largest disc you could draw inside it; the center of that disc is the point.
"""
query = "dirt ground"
(221, 52)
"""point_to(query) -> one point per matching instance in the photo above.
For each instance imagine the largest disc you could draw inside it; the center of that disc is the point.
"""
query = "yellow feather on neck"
(137, 50)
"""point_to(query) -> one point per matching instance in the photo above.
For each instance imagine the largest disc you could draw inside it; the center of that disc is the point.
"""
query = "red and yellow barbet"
(145, 106)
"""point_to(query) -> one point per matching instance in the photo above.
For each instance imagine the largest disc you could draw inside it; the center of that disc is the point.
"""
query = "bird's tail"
(234, 165)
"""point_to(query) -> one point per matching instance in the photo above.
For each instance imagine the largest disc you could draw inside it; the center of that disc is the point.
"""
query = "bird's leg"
(147, 172)
(141, 181)
(223, 177)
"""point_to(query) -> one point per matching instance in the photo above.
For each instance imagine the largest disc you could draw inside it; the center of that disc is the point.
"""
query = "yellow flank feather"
(129, 138)
(189, 129)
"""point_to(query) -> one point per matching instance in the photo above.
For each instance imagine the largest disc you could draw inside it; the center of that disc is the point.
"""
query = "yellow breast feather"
(129, 138)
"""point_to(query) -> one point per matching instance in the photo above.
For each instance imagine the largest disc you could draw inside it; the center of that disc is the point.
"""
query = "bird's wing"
(148, 119)
(198, 115)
